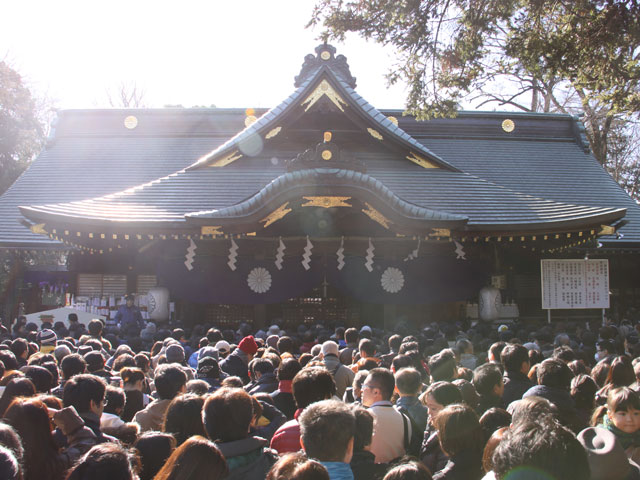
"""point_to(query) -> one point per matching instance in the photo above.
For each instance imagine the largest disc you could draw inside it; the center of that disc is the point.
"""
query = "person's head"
(40, 376)
(394, 342)
(351, 335)
(326, 431)
(85, 393)
(363, 433)
(621, 373)
(464, 346)
(248, 346)
(132, 378)
(623, 409)
(30, 419)
(196, 459)
(366, 348)
(9, 360)
(554, 373)
(442, 366)
(114, 400)
(408, 382)
(408, 471)
(459, 430)
(378, 386)
(490, 448)
(105, 461)
(71, 365)
(11, 440)
(153, 448)
(439, 395)
(10, 468)
(487, 379)
(531, 408)
(95, 361)
(261, 366)
(227, 415)
(183, 418)
(583, 391)
(123, 360)
(534, 447)
(170, 380)
(20, 348)
(515, 358)
(95, 328)
(288, 369)
(311, 385)
(16, 387)
(296, 466)
(494, 419)
(495, 352)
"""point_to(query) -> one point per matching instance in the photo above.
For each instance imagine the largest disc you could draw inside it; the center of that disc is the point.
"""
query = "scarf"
(626, 439)
(338, 470)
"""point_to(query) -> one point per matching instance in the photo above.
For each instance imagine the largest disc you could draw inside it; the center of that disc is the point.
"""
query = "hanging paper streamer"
(414, 254)
(460, 255)
(306, 258)
(369, 263)
(340, 255)
(280, 255)
(189, 257)
(233, 255)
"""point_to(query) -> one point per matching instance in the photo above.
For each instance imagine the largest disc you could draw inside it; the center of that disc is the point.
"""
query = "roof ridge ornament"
(325, 55)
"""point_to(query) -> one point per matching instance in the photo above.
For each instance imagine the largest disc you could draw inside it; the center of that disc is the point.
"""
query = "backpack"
(413, 442)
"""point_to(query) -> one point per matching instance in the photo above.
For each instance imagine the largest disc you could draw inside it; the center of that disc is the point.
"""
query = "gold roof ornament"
(130, 122)
(374, 133)
(276, 215)
(273, 133)
(327, 202)
(38, 228)
(606, 230)
(211, 230)
(232, 157)
(251, 119)
(326, 155)
(440, 232)
(508, 125)
(324, 88)
(418, 160)
(325, 55)
(376, 216)
(393, 120)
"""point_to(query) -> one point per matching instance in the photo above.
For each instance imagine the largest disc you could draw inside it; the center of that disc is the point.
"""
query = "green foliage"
(22, 130)
(450, 49)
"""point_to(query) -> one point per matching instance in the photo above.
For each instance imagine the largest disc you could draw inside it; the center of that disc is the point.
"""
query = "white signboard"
(575, 283)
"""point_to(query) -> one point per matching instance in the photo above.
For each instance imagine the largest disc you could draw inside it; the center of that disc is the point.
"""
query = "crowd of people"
(313, 403)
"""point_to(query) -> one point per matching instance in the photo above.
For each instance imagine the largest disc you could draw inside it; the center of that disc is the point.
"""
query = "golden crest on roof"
(418, 160)
(327, 202)
(376, 216)
(232, 157)
(276, 215)
(324, 88)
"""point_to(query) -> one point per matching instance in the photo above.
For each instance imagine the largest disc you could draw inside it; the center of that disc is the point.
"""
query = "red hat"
(248, 345)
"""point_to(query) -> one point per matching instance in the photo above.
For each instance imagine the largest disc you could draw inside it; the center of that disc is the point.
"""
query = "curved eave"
(337, 182)
(45, 215)
(273, 117)
(597, 216)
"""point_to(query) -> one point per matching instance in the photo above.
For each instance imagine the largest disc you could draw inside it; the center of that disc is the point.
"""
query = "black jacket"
(285, 403)
(236, 365)
(248, 459)
(515, 385)
(267, 383)
(364, 466)
(464, 466)
(430, 453)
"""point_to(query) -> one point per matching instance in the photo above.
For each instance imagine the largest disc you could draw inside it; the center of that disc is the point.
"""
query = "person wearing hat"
(223, 348)
(607, 459)
(237, 364)
(129, 319)
(47, 339)
(342, 375)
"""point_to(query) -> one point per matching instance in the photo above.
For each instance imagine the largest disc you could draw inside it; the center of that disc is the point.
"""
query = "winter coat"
(276, 420)
(431, 454)
(515, 386)
(237, 365)
(248, 459)
(152, 417)
(343, 376)
(464, 466)
(267, 383)
(364, 466)
(287, 438)
(283, 399)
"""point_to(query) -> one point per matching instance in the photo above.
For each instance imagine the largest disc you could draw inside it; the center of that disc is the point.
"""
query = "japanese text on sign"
(575, 283)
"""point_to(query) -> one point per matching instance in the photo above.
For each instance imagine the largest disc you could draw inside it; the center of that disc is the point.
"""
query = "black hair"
(169, 380)
(326, 428)
(383, 380)
(71, 365)
(554, 373)
(486, 377)
(513, 356)
(81, 389)
(114, 400)
(311, 385)
(288, 369)
(408, 381)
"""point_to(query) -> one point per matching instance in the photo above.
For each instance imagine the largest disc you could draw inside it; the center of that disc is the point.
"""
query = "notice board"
(574, 283)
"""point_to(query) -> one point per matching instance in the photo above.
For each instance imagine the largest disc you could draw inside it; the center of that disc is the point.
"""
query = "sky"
(242, 53)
